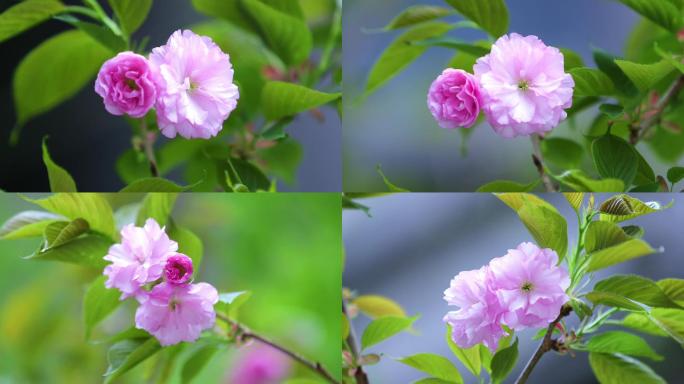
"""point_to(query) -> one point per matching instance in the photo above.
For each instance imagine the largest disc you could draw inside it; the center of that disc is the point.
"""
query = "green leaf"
(435, 365)
(126, 354)
(661, 12)
(287, 36)
(188, 243)
(74, 60)
(87, 250)
(154, 184)
(230, 303)
(517, 200)
(401, 53)
(25, 15)
(383, 328)
(454, 44)
(62, 232)
(674, 289)
(98, 303)
(282, 160)
(645, 174)
(636, 288)
(591, 82)
(375, 306)
(507, 186)
(575, 199)
(470, 357)
(157, 206)
(675, 175)
(91, 207)
(606, 63)
(198, 360)
(229, 10)
(27, 224)
(130, 13)
(645, 76)
(562, 152)
(613, 111)
(619, 369)
(579, 181)
(60, 179)
(622, 252)
(641, 322)
(571, 59)
(547, 226)
(622, 342)
(503, 362)
(624, 207)
(613, 300)
(603, 234)
(99, 33)
(282, 99)
(491, 15)
(417, 14)
(671, 321)
(392, 187)
(615, 158)
(245, 173)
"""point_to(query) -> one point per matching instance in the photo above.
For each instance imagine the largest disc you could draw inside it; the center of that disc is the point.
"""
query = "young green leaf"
(283, 160)
(98, 303)
(157, 206)
(99, 33)
(591, 82)
(508, 186)
(645, 76)
(636, 288)
(454, 44)
(575, 199)
(62, 232)
(60, 179)
(435, 365)
(470, 357)
(247, 174)
(614, 158)
(562, 152)
(74, 59)
(571, 59)
(91, 207)
(230, 303)
(25, 15)
(674, 289)
(131, 14)
(671, 321)
(375, 306)
(280, 99)
(188, 243)
(613, 300)
(547, 226)
(661, 12)
(675, 175)
(154, 184)
(518, 200)
(613, 111)
(503, 362)
(624, 207)
(198, 360)
(126, 354)
(620, 253)
(383, 328)
(642, 322)
(491, 15)
(417, 14)
(86, 251)
(603, 234)
(606, 63)
(401, 53)
(619, 369)
(579, 181)
(622, 342)
(27, 224)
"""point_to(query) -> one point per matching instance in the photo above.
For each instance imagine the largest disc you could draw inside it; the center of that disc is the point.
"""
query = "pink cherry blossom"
(524, 86)
(126, 85)
(175, 313)
(195, 86)
(454, 99)
(139, 259)
(478, 319)
(260, 364)
(178, 269)
(530, 286)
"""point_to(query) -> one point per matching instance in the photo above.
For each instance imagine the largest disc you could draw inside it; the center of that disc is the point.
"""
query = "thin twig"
(244, 333)
(360, 375)
(546, 345)
(538, 160)
(653, 119)
(148, 142)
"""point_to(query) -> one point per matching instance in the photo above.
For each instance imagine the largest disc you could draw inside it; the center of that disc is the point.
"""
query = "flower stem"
(360, 375)
(546, 345)
(538, 160)
(148, 143)
(331, 43)
(244, 333)
(646, 125)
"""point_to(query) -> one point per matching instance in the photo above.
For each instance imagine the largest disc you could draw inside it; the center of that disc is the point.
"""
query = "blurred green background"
(286, 249)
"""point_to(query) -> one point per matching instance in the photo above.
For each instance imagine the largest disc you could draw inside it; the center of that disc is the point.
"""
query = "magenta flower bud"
(454, 99)
(126, 85)
(178, 269)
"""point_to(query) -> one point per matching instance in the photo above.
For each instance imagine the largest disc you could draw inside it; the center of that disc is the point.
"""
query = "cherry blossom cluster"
(188, 81)
(523, 289)
(147, 267)
(521, 86)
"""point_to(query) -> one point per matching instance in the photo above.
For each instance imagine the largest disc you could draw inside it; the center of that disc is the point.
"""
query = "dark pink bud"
(178, 269)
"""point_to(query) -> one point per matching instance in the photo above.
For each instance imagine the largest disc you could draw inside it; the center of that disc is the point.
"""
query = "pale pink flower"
(178, 269)
(530, 286)
(454, 99)
(195, 90)
(260, 364)
(175, 313)
(139, 259)
(478, 319)
(126, 85)
(524, 86)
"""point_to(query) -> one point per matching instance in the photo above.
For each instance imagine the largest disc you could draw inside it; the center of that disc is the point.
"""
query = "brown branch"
(148, 142)
(245, 334)
(359, 375)
(646, 125)
(538, 161)
(546, 345)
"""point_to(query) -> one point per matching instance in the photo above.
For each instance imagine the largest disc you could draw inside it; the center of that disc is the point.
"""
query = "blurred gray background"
(86, 140)
(415, 243)
(393, 126)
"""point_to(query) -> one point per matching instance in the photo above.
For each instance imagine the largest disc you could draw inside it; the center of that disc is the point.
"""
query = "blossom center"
(173, 304)
(189, 85)
(523, 85)
(131, 84)
(527, 287)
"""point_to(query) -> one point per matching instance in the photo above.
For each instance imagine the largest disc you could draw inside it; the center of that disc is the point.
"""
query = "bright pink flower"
(178, 269)
(524, 86)
(454, 99)
(175, 313)
(260, 364)
(126, 85)
(139, 258)
(530, 286)
(478, 319)
(195, 86)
